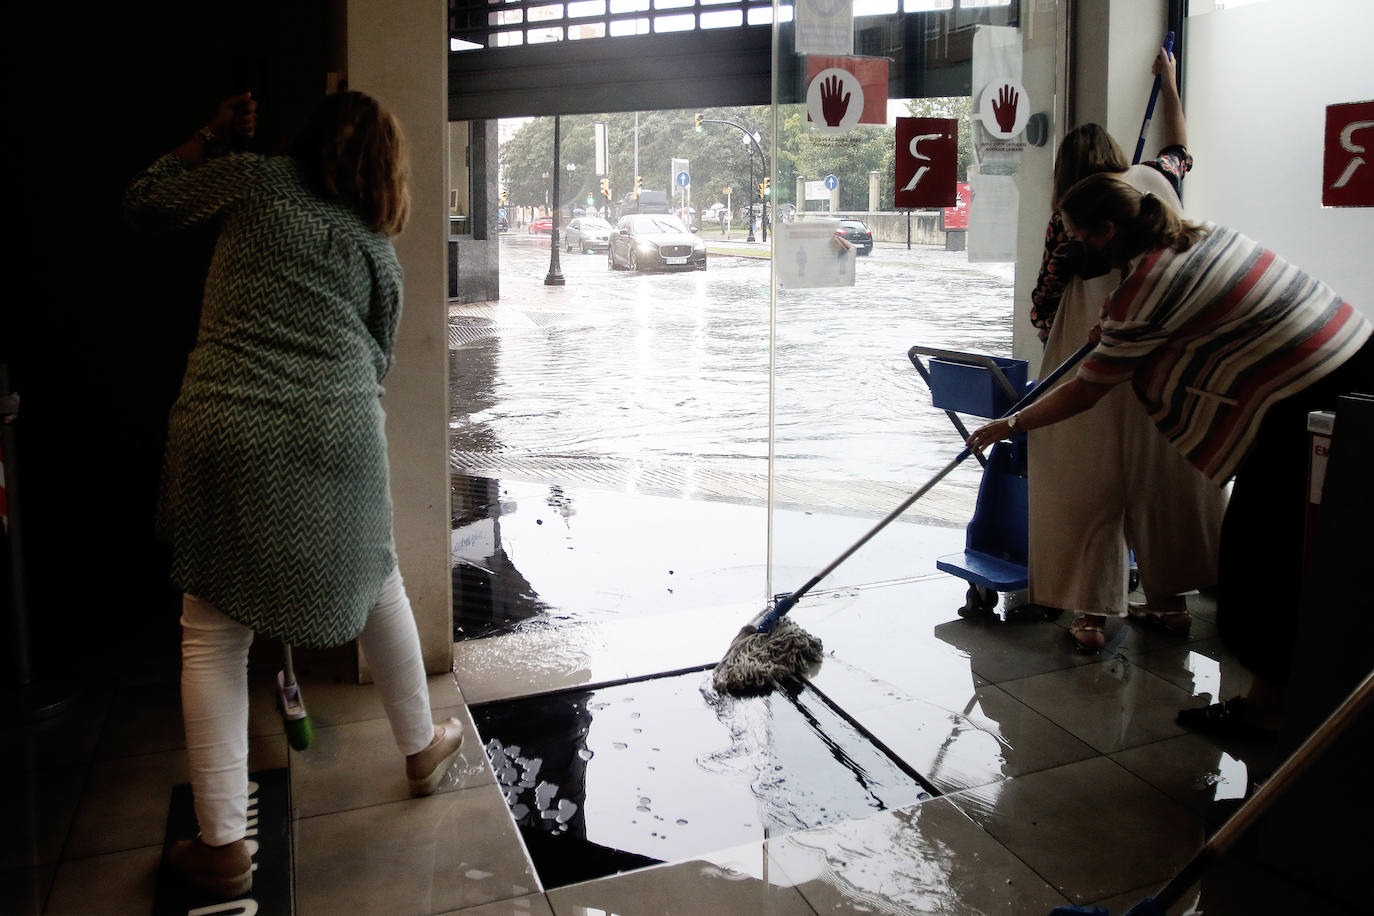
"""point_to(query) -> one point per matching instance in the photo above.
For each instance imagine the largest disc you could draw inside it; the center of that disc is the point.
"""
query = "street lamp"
(555, 275)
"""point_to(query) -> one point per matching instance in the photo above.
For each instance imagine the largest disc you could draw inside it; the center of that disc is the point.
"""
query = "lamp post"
(555, 275)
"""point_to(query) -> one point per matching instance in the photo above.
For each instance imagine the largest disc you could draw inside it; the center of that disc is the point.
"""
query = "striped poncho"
(1213, 336)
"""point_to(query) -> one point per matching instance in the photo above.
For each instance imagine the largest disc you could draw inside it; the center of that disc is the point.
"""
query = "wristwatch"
(207, 136)
(1013, 421)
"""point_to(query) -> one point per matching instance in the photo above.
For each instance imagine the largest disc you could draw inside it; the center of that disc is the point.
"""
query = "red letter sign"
(927, 158)
(1348, 173)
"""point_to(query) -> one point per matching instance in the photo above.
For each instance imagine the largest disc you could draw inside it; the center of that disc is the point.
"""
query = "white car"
(587, 233)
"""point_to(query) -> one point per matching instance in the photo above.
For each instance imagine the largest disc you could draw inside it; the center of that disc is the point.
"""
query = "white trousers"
(214, 699)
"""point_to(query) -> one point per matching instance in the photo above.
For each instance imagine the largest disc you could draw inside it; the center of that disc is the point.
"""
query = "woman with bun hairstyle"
(1228, 347)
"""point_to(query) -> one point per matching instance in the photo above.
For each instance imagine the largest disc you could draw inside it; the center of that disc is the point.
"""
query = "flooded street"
(672, 369)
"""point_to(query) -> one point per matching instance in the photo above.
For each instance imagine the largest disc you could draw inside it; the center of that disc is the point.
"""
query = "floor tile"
(1190, 769)
(1090, 828)
(42, 805)
(926, 858)
(358, 764)
(530, 905)
(112, 885)
(886, 632)
(125, 802)
(331, 702)
(1002, 651)
(737, 880)
(989, 737)
(1204, 669)
(23, 890)
(426, 855)
(1110, 705)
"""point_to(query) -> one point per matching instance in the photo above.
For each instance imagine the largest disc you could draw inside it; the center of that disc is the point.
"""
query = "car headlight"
(698, 245)
(645, 246)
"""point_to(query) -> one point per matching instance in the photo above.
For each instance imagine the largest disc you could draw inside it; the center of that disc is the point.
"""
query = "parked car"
(542, 224)
(588, 233)
(856, 233)
(643, 241)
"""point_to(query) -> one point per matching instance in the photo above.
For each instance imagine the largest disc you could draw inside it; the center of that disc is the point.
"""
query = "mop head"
(758, 663)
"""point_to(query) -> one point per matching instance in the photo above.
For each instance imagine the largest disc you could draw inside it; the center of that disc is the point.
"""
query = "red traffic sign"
(926, 162)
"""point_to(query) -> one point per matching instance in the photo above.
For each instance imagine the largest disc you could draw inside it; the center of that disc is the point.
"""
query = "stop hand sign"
(926, 162)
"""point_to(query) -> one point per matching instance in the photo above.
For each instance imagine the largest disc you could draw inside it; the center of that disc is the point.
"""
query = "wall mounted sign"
(926, 162)
(844, 91)
(1348, 163)
(1005, 108)
(825, 26)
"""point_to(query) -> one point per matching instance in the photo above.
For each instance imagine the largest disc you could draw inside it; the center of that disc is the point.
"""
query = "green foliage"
(719, 155)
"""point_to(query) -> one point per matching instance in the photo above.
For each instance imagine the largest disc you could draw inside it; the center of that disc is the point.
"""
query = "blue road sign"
(683, 179)
(831, 182)
(501, 213)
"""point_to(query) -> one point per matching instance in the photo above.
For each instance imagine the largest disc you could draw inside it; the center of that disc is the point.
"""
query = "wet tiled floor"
(1060, 777)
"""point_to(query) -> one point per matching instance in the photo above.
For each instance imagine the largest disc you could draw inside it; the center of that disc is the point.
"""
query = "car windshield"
(593, 223)
(853, 224)
(657, 224)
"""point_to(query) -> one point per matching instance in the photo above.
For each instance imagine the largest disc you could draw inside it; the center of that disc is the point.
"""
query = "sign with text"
(926, 162)
(1348, 166)
(844, 91)
(824, 26)
(809, 254)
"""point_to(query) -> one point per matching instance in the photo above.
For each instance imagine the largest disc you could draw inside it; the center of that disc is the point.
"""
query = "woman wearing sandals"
(275, 490)
(1228, 347)
(1106, 480)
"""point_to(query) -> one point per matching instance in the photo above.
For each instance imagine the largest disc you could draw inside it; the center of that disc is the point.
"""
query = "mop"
(295, 719)
(773, 651)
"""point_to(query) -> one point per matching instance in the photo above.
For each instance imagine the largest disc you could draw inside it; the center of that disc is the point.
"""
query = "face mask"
(1088, 262)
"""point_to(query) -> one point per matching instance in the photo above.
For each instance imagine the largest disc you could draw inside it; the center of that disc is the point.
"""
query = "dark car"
(542, 224)
(587, 233)
(657, 241)
(856, 233)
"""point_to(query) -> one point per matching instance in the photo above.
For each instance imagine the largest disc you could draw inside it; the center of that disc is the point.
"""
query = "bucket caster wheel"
(978, 601)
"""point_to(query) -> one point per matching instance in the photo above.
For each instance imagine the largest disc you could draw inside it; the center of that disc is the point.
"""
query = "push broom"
(772, 651)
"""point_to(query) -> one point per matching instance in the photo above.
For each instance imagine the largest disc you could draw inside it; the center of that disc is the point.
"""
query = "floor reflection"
(666, 769)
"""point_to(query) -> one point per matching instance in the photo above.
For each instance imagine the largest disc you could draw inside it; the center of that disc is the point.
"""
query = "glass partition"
(909, 191)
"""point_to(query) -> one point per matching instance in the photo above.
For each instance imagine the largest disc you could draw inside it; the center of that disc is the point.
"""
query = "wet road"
(672, 369)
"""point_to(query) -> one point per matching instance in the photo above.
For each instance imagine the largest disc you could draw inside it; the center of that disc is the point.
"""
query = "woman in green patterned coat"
(275, 493)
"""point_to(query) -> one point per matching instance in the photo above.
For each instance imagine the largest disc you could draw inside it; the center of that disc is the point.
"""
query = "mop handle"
(1150, 109)
(765, 621)
(1255, 806)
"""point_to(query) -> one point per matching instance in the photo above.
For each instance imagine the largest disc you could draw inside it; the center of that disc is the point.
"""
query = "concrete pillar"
(801, 194)
(398, 51)
(873, 183)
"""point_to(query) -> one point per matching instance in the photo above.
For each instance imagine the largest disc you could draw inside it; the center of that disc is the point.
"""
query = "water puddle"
(620, 777)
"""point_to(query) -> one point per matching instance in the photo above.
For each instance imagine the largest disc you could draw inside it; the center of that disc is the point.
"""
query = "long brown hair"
(1143, 222)
(1087, 150)
(352, 150)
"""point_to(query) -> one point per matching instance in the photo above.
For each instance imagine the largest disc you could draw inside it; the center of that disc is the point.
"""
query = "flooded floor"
(665, 769)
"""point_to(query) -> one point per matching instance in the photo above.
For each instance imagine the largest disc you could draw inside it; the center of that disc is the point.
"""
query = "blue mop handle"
(765, 621)
(1150, 109)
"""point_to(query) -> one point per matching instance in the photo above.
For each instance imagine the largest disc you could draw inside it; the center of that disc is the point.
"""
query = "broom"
(772, 651)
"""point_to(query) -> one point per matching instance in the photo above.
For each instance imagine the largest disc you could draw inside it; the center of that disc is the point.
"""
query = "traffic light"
(589, 200)
(606, 188)
(767, 191)
(503, 197)
(760, 190)
(698, 122)
(639, 186)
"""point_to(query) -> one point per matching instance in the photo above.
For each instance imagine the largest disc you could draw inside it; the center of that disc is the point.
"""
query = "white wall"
(1259, 78)
(398, 52)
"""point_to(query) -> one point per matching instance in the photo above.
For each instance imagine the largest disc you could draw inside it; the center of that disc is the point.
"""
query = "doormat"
(616, 778)
(269, 841)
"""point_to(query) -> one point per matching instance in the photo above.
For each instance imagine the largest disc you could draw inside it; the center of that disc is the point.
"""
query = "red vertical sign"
(927, 159)
(1348, 166)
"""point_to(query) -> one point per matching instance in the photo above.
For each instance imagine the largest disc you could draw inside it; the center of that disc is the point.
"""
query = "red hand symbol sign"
(1004, 108)
(833, 107)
